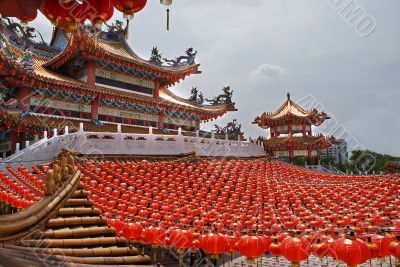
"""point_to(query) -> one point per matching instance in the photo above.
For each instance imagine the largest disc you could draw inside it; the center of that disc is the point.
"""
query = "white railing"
(103, 143)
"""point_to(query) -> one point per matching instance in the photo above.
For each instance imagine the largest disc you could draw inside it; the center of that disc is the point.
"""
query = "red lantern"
(383, 244)
(351, 251)
(132, 231)
(394, 248)
(252, 246)
(154, 235)
(24, 20)
(295, 249)
(129, 7)
(64, 15)
(214, 244)
(98, 11)
(181, 239)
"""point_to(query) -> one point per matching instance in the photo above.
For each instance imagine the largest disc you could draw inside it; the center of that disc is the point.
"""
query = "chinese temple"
(93, 77)
(110, 167)
(291, 132)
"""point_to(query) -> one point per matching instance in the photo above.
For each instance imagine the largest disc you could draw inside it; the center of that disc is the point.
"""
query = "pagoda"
(291, 132)
(95, 78)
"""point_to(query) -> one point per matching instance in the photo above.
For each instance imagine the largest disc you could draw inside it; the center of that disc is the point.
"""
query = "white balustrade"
(103, 143)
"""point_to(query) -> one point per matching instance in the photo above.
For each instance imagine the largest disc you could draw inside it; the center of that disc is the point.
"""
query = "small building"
(338, 151)
(291, 132)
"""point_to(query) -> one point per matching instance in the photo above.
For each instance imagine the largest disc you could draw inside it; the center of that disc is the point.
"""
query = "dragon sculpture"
(155, 57)
(233, 127)
(116, 28)
(196, 96)
(223, 99)
(189, 59)
(24, 32)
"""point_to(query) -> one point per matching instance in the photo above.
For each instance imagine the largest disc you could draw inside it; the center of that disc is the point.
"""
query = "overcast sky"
(265, 48)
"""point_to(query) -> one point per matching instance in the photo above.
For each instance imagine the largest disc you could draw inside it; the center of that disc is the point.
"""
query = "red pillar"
(95, 109)
(91, 72)
(24, 97)
(14, 140)
(156, 91)
(290, 128)
(198, 124)
(304, 130)
(160, 120)
(309, 156)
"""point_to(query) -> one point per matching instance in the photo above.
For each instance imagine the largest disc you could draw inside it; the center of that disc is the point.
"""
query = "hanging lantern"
(129, 8)
(166, 3)
(252, 247)
(295, 249)
(214, 244)
(98, 11)
(66, 16)
(25, 19)
(351, 251)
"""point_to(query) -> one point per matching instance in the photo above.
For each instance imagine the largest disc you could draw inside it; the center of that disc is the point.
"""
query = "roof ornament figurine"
(117, 28)
(24, 32)
(196, 96)
(233, 127)
(189, 59)
(27, 60)
(155, 57)
(223, 99)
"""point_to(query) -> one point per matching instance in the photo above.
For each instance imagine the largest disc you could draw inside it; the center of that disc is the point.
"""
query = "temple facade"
(93, 77)
(291, 134)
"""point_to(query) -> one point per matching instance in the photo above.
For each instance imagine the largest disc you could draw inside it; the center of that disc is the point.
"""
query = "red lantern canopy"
(129, 7)
(295, 249)
(98, 11)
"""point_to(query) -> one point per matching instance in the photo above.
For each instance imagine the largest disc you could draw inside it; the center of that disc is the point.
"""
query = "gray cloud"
(269, 70)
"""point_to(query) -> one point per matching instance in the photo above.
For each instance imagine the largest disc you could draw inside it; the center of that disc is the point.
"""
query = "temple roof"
(34, 73)
(289, 110)
(113, 48)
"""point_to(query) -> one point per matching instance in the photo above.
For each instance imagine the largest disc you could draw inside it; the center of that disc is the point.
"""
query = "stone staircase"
(76, 236)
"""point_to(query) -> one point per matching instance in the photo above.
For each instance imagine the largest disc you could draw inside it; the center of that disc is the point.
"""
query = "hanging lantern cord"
(167, 19)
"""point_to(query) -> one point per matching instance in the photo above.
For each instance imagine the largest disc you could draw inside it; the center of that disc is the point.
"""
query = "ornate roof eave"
(305, 142)
(13, 70)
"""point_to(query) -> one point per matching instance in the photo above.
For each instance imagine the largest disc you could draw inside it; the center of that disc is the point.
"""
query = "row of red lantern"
(348, 249)
(67, 15)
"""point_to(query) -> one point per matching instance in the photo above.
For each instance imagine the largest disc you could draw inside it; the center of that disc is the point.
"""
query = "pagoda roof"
(113, 48)
(290, 110)
(299, 142)
(42, 77)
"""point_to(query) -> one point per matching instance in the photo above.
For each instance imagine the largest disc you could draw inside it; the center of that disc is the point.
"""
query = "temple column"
(14, 138)
(24, 97)
(290, 128)
(160, 120)
(156, 91)
(95, 109)
(304, 130)
(198, 124)
(91, 72)
(291, 155)
(309, 156)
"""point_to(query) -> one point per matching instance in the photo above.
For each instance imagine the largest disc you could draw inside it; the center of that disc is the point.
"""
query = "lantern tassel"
(168, 19)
